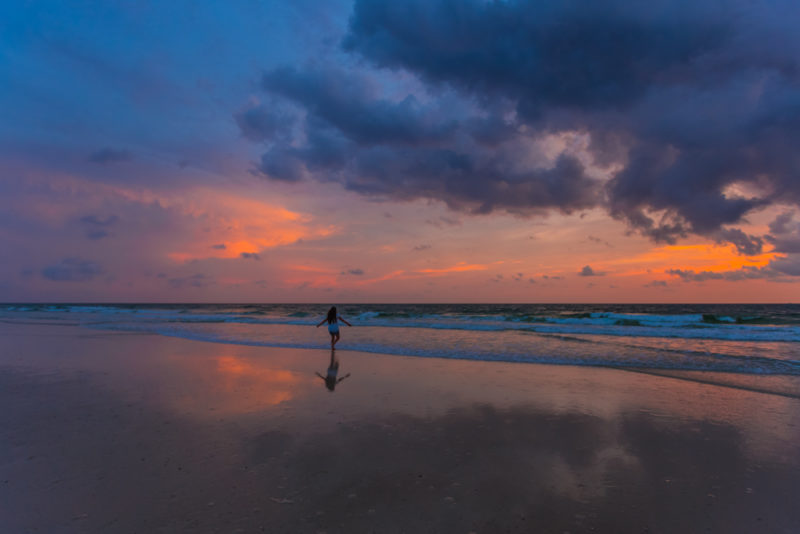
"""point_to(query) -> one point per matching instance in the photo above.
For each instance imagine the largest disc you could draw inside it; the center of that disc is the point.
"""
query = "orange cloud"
(233, 225)
(389, 276)
(226, 224)
(706, 257)
(308, 268)
(458, 268)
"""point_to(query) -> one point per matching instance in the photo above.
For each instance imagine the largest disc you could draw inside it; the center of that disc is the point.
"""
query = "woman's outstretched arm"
(322, 322)
(345, 322)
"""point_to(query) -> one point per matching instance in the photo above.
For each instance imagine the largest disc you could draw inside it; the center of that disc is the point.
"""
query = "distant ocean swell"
(783, 327)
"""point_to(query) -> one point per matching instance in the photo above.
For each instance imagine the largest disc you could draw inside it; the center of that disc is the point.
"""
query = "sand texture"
(110, 432)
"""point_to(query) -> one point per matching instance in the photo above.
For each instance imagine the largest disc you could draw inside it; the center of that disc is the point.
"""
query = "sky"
(415, 151)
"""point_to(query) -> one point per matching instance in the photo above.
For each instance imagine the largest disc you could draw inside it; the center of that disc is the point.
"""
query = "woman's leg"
(333, 340)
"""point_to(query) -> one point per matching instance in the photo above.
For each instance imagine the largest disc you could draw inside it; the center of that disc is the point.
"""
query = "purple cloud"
(96, 227)
(197, 280)
(72, 270)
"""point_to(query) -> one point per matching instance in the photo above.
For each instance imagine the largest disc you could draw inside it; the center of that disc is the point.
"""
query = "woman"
(333, 325)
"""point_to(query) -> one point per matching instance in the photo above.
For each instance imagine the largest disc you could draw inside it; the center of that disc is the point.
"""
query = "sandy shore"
(109, 432)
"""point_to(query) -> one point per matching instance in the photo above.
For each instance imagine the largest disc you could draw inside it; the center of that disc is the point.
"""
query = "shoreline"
(132, 432)
(768, 384)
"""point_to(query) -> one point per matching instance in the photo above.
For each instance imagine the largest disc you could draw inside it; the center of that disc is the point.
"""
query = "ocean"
(747, 339)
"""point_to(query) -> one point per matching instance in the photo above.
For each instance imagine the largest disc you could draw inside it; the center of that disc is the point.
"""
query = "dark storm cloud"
(284, 164)
(582, 54)
(745, 244)
(406, 150)
(778, 269)
(789, 265)
(588, 271)
(72, 270)
(349, 104)
(683, 103)
(262, 124)
(786, 244)
(784, 223)
(688, 275)
(109, 155)
(785, 238)
(250, 256)
(785, 234)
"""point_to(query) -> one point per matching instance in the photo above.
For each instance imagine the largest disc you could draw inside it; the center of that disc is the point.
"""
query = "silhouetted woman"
(333, 325)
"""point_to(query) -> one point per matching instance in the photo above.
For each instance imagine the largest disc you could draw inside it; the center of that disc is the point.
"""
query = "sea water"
(746, 339)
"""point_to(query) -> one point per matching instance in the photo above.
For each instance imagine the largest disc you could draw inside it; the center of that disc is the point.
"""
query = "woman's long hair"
(332, 315)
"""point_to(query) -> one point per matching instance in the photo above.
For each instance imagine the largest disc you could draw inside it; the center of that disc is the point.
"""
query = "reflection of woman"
(333, 325)
(333, 370)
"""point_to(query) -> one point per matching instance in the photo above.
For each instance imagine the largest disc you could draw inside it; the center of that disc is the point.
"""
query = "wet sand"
(112, 432)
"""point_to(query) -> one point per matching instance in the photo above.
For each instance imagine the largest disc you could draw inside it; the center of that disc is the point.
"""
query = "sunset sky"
(409, 151)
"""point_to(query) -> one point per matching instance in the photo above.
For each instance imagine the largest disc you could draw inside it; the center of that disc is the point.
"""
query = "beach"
(133, 432)
(424, 267)
(119, 432)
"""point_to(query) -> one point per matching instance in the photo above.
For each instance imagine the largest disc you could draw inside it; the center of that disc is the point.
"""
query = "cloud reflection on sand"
(231, 384)
(154, 433)
(484, 469)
